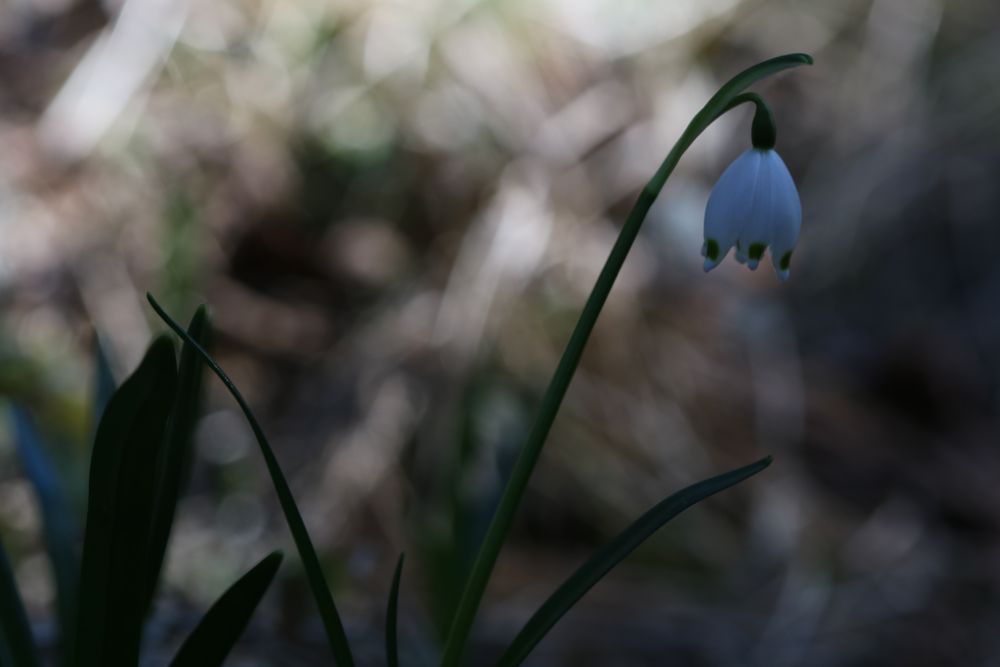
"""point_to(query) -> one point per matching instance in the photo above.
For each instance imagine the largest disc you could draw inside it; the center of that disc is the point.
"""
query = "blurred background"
(395, 211)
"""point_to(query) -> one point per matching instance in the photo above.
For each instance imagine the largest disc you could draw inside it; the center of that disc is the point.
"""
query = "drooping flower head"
(755, 205)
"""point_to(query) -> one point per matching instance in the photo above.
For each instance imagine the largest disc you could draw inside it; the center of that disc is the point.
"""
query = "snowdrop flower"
(754, 206)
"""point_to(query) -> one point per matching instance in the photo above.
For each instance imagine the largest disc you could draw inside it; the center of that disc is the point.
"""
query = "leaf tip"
(161, 346)
(398, 573)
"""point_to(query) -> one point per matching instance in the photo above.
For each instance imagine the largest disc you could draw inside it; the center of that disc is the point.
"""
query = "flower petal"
(755, 234)
(725, 214)
(785, 216)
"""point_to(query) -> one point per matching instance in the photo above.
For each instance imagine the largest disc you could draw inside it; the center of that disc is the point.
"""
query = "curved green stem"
(532, 448)
(763, 132)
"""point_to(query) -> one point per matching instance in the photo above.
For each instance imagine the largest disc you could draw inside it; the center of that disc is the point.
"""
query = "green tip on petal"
(712, 249)
(786, 261)
(756, 251)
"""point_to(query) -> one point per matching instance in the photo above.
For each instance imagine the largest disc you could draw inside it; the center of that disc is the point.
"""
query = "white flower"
(753, 206)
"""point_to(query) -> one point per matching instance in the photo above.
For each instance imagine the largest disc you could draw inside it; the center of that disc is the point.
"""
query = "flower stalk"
(531, 450)
(763, 132)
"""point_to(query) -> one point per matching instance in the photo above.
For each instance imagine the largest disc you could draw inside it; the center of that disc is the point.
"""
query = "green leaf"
(310, 561)
(57, 521)
(173, 466)
(112, 594)
(391, 616)
(15, 631)
(607, 558)
(221, 626)
(504, 517)
(104, 381)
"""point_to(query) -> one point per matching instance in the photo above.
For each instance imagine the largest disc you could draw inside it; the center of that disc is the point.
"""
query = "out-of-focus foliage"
(141, 452)
(396, 210)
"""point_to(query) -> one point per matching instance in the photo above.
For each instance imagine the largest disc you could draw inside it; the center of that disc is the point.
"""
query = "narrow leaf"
(607, 558)
(173, 466)
(112, 593)
(218, 631)
(310, 561)
(57, 521)
(104, 381)
(15, 631)
(391, 616)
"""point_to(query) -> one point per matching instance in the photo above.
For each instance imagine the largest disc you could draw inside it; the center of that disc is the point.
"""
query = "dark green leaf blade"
(175, 459)
(221, 626)
(303, 543)
(15, 631)
(57, 521)
(607, 558)
(391, 616)
(119, 512)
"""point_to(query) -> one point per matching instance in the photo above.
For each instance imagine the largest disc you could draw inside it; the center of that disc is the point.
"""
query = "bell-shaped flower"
(754, 206)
